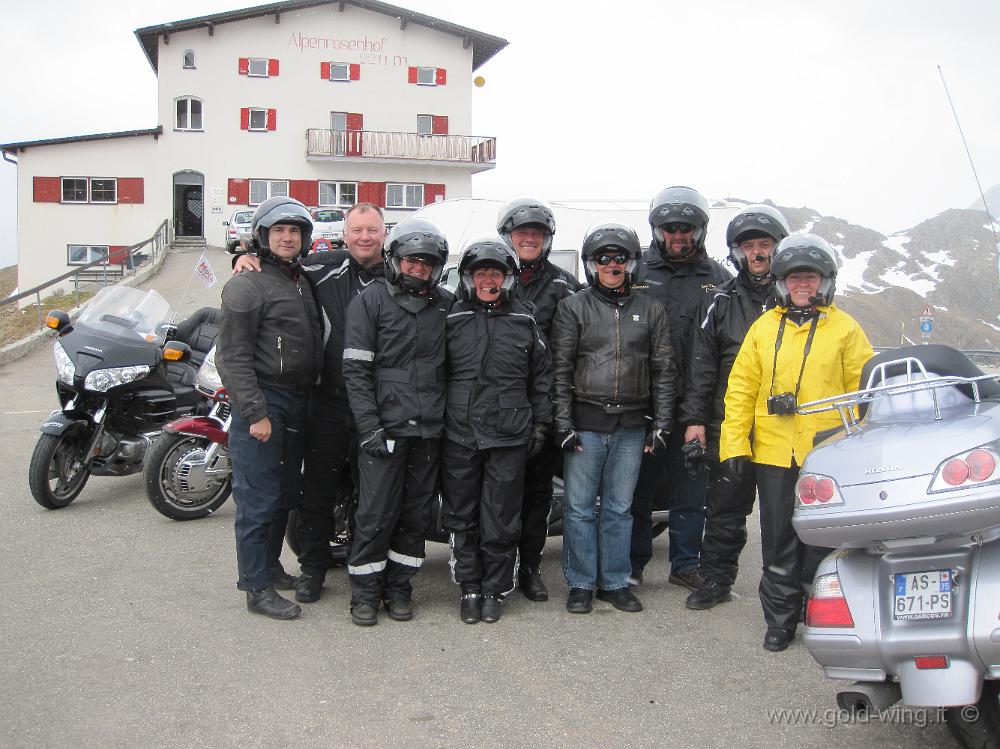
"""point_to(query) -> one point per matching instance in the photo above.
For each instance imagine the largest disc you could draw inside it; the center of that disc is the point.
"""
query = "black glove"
(536, 442)
(568, 440)
(735, 469)
(656, 440)
(374, 444)
(694, 455)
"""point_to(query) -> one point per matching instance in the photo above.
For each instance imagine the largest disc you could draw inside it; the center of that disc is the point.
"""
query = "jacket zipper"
(281, 361)
(618, 349)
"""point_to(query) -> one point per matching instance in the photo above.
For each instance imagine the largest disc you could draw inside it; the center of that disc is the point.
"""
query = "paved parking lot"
(123, 628)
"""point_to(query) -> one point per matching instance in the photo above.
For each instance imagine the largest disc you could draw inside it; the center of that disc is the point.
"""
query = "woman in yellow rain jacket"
(802, 350)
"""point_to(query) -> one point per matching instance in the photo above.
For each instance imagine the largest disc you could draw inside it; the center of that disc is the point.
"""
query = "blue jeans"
(596, 539)
(267, 483)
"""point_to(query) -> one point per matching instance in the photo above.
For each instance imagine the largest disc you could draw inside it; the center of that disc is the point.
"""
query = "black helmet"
(414, 236)
(804, 252)
(679, 204)
(752, 222)
(606, 238)
(525, 211)
(487, 250)
(280, 210)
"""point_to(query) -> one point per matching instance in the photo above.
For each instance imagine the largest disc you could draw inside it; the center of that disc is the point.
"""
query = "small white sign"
(203, 269)
(217, 195)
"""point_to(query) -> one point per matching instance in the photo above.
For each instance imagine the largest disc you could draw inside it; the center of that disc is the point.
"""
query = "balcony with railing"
(473, 152)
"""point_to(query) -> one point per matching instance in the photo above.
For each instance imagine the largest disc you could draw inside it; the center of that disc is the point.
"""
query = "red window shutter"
(46, 189)
(355, 121)
(324, 71)
(412, 77)
(439, 125)
(380, 194)
(355, 72)
(245, 118)
(306, 191)
(244, 66)
(272, 67)
(117, 254)
(130, 190)
(372, 192)
(441, 78)
(433, 193)
(239, 191)
(272, 119)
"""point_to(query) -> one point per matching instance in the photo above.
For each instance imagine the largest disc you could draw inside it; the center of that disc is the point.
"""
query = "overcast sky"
(834, 105)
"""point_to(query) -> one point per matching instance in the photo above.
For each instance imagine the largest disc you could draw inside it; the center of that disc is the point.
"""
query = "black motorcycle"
(120, 378)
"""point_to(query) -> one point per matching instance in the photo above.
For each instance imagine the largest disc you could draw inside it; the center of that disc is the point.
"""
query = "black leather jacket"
(615, 354)
(544, 290)
(680, 287)
(269, 334)
(499, 376)
(725, 318)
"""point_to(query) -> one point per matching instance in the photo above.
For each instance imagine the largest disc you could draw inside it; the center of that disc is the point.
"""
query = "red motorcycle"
(188, 475)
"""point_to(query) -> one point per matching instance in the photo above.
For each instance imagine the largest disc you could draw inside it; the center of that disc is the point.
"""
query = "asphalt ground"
(121, 627)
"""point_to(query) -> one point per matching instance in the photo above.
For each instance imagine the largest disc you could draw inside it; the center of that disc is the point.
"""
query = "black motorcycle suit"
(336, 278)
(499, 379)
(725, 319)
(680, 287)
(544, 288)
(394, 370)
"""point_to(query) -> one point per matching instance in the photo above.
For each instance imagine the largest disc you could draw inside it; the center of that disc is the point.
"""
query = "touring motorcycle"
(119, 379)
(908, 491)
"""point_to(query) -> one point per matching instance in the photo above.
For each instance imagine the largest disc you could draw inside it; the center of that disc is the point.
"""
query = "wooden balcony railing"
(378, 144)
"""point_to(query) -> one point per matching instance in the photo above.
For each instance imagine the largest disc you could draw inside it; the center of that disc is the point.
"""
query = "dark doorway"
(189, 204)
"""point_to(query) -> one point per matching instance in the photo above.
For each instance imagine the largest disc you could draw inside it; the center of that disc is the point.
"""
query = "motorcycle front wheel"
(58, 471)
(179, 482)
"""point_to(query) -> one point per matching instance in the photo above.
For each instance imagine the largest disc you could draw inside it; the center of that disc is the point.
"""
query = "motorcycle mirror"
(58, 321)
(176, 351)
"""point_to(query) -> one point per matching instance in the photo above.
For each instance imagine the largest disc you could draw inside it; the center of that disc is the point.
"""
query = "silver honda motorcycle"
(908, 492)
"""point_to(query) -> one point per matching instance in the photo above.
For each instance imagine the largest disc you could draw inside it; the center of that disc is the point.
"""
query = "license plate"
(922, 595)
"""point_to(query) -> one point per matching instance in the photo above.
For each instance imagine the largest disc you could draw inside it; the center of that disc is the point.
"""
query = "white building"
(330, 102)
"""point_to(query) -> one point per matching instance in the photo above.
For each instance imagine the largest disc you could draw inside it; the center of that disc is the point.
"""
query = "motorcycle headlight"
(102, 380)
(65, 369)
(207, 379)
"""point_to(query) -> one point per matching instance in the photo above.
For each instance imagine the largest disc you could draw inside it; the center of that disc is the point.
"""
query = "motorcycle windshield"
(127, 314)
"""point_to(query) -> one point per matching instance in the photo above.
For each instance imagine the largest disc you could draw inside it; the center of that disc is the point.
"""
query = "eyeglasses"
(619, 259)
(427, 262)
(678, 227)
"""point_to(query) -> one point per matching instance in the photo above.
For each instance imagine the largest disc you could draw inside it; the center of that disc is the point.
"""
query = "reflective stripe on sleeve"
(366, 569)
(398, 558)
(359, 354)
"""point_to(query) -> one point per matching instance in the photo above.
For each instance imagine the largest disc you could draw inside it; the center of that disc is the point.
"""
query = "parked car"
(328, 223)
(237, 229)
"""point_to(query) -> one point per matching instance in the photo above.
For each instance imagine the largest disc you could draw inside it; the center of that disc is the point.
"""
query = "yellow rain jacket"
(839, 350)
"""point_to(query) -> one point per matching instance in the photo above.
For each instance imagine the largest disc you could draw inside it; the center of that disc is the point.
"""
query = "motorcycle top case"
(889, 473)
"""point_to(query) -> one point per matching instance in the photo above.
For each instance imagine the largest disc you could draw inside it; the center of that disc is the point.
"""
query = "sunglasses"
(678, 227)
(427, 262)
(619, 259)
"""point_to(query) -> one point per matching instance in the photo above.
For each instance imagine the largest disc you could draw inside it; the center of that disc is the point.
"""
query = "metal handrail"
(158, 241)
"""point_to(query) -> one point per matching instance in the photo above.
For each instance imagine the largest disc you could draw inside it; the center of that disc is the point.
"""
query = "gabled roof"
(484, 46)
(154, 131)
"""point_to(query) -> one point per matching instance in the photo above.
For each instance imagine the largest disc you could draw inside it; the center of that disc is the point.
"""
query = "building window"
(188, 114)
(189, 59)
(258, 119)
(258, 67)
(425, 124)
(104, 190)
(426, 76)
(340, 71)
(74, 189)
(81, 254)
(338, 193)
(262, 189)
(404, 196)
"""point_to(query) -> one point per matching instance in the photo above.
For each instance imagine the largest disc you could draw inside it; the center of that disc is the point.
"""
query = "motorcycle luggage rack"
(848, 404)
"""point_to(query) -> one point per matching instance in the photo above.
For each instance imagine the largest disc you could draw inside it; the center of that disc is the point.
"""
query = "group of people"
(663, 374)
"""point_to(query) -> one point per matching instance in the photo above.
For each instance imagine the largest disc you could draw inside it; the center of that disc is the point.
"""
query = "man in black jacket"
(726, 317)
(268, 356)
(394, 361)
(498, 412)
(677, 272)
(613, 377)
(336, 277)
(528, 224)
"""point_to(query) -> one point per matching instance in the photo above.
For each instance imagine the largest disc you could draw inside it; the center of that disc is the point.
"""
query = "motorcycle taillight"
(827, 607)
